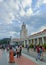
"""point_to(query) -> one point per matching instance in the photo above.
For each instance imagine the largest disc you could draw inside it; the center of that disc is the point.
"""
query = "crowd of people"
(17, 51)
(39, 49)
(13, 52)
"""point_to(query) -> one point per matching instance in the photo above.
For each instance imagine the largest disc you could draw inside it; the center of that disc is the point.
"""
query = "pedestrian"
(38, 53)
(28, 47)
(11, 56)
(18, 52)
(41, 53)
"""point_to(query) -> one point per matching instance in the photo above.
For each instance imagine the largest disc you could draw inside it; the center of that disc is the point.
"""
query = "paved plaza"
(23, 60)
(33, 54)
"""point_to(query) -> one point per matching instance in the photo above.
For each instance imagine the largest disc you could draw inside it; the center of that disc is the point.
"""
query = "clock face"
(23, 26)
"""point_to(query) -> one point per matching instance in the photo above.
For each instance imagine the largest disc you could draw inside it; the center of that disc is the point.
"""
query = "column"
(33, 41)
(37, 40)
(42, 40)
(27, 41)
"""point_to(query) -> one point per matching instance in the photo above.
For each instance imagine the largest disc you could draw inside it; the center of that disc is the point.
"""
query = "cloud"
(14, 12)
(13, 4)
(42, 28)
(26, 3)
(12, 33)
(22, 12)
(10, 18)
(37, 13)
(44, 1)
(39, 30)
(1, 0)
(0, 23)
(39, 3)
(29, 29)
(29, 12)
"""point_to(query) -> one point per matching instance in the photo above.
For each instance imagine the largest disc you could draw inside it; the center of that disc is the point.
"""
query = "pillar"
(33, 41)
(27, 41)
(42, 40)
(37, 40)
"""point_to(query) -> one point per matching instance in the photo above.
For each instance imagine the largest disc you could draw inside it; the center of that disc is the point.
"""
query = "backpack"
(40, 50)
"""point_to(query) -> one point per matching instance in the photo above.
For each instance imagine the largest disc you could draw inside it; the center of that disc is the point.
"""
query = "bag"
(40, 50)
(14, 53)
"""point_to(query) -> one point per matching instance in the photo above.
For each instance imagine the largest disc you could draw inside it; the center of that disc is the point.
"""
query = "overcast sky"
(14, 12)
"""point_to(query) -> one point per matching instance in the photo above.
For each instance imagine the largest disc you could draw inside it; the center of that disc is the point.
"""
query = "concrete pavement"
(4, 59)
(33, 59)
(24, 60)
(33, 54)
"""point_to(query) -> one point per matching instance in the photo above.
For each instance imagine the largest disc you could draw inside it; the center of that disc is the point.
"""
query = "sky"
(14, 12)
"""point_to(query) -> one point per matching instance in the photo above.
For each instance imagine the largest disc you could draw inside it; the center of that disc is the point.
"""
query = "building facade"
(38, 38)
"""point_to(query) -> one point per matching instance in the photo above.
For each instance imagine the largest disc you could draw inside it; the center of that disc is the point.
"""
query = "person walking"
(28, 47)
(18, 52)
(43, 49)
(38, 53)
(41, 53)
(11, 56)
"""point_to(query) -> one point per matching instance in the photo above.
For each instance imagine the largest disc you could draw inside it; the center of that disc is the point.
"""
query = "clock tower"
(23, 31)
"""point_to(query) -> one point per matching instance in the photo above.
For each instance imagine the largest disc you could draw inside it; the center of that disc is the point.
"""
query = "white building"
(37, 38)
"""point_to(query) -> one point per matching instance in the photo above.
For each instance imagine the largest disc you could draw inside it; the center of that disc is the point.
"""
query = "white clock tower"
(23, 32)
